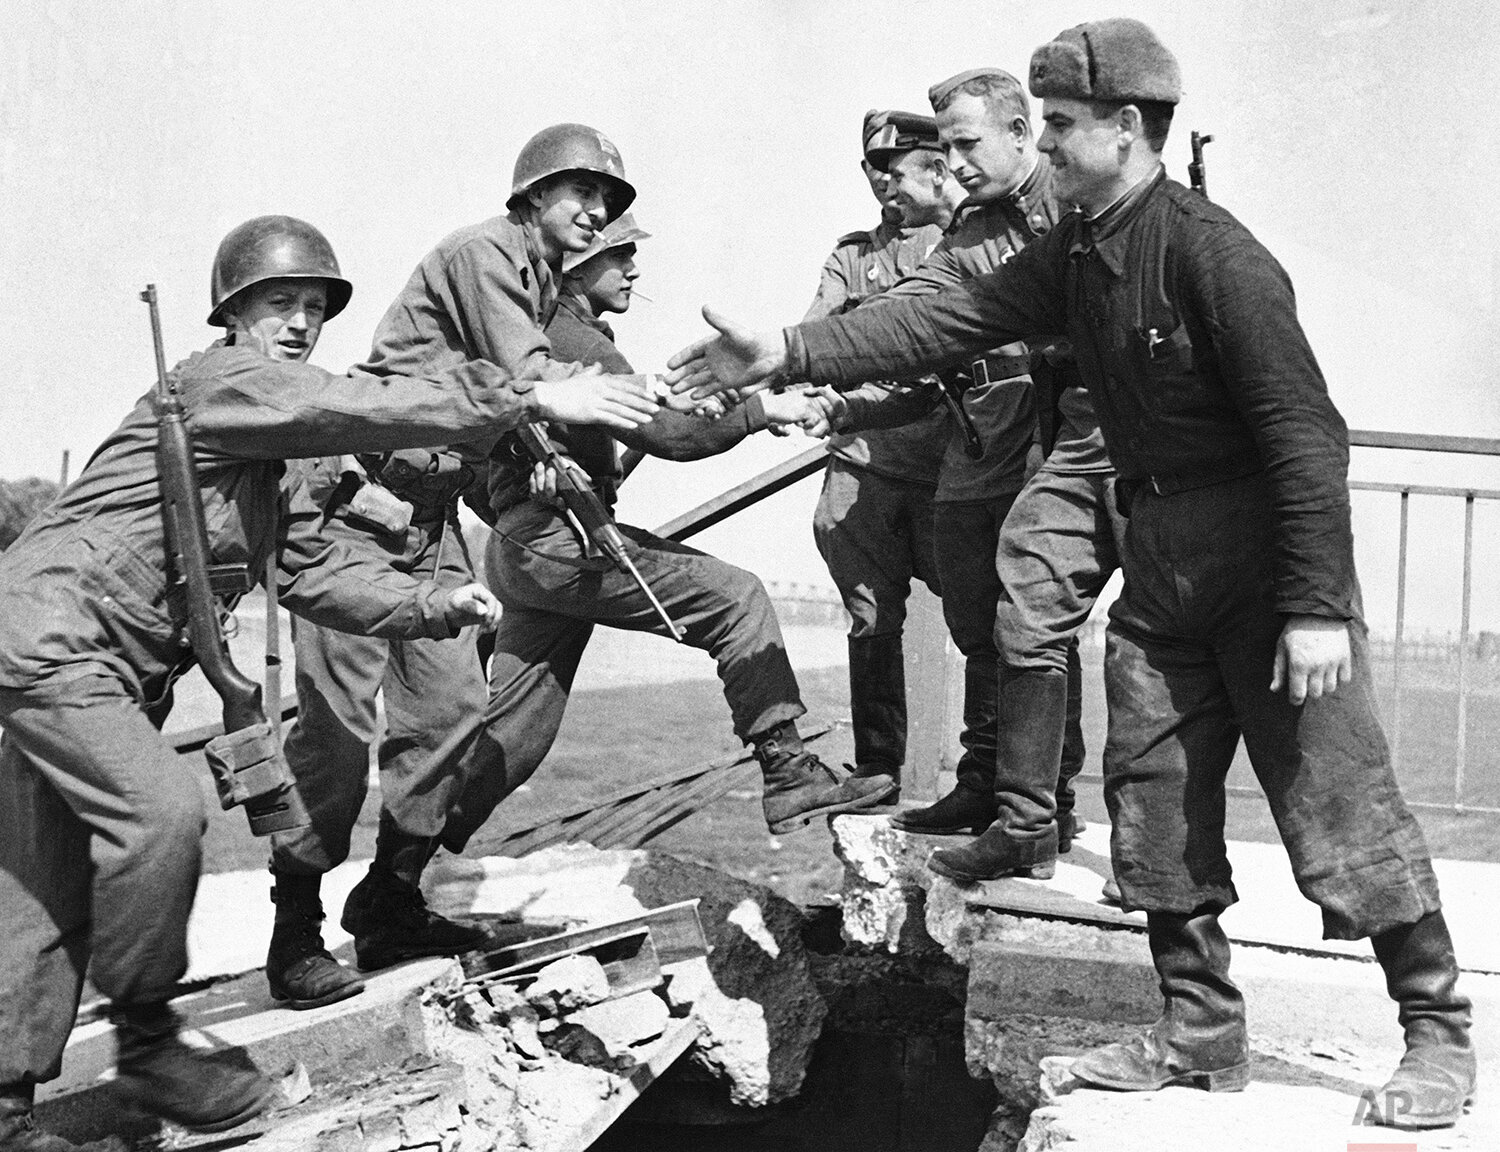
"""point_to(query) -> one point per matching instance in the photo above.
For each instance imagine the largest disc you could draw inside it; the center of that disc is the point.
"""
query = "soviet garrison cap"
(1114, 59)
(617, 233)
(943, 89)
(900, 132)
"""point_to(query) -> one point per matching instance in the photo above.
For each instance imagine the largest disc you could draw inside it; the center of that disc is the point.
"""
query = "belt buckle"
(979, 373)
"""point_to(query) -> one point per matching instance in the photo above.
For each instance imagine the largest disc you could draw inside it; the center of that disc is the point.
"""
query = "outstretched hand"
(733, 358)
(473, 604)
(593, 398)
(1312, 658)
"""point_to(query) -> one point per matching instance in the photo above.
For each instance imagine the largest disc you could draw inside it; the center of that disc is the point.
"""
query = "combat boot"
(798, 787)
(1000, 852)
(208, 1091)
(299, 970)
(390, 922)
(1024, 839)
(962, 810)
(1070, 764)
(19, 1133)
(1200, 1039)
(877, 708)
(1436, 1078)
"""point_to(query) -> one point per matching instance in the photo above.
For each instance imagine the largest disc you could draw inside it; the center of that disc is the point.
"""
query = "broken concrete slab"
(1299, 1118)
(767, 1014)
(568, 984)
(380, 1028)
(626, 1022)
(755, 995)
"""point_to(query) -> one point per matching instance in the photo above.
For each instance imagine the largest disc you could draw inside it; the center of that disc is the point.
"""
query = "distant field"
(622, 726)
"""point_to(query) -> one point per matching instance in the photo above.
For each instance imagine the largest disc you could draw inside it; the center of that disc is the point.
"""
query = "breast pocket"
(1162, 356)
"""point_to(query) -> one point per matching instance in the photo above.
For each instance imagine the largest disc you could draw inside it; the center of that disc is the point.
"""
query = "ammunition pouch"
(424, 477)
(372, 506)
(248, 768)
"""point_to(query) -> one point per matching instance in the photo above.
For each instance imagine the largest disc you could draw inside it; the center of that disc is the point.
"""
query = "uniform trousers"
(966, 535)
(875, 534)
(101, 823)
(553, 594)
(429, 688)
(1191, 644)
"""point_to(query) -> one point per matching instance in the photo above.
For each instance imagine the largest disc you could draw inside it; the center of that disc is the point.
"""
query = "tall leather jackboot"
(1069, 823)
(1200, 1039)
(970, 807)
(797, 787)
(877, 707)
(19, 1133)
(1023, 840)
(209, 1091)
(299, 969)
(1436, 1077)
(387, 914)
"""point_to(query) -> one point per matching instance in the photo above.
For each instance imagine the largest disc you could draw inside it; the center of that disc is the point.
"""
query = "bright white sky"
(134, 134)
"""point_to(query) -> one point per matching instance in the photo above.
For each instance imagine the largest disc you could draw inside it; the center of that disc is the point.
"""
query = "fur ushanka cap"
(1115, 59)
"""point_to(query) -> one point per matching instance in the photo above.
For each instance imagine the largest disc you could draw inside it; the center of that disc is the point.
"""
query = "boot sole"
(1234, 1079)
(945, 830)
(264, 1103)
(803, 819)
(1043, 871)
(286, 1000)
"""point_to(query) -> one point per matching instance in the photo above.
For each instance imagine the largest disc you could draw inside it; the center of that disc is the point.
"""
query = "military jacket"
(1186, 334)
(862, 265)
(84, 589)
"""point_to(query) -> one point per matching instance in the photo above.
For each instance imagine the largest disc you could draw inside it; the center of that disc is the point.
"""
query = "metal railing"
(1461, 444)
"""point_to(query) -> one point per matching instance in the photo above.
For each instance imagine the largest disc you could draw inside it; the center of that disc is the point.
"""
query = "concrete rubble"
(536, 1062)
(1052, 972)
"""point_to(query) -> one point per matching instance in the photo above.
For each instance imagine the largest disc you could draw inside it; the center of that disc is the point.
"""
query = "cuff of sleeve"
(755, 414)
(797, 367)
(433, 606)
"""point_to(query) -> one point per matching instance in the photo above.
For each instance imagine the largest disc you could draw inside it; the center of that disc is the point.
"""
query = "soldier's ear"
(1130, 124)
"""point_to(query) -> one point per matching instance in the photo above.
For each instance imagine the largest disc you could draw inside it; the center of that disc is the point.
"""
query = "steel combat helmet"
(572, 148)
(270, 248)
(619, 232)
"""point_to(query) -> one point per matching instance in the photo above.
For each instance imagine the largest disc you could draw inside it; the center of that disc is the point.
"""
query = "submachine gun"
(591, 519)
(1197, 174)
(247, 763)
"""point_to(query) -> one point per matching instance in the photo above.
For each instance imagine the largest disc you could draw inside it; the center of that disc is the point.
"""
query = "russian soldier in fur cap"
(1240, 616)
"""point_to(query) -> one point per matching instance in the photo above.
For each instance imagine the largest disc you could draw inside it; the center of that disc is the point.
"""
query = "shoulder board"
(849, 238)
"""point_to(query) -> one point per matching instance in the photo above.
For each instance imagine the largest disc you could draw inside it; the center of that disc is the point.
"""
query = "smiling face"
(279, 318)
(606, 280)
(566, 211)
(986, 155)
(917, 186)
(1089, 152)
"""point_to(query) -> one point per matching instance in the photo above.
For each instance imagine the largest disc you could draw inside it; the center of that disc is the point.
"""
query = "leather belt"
(1170, 485)
(993, 369)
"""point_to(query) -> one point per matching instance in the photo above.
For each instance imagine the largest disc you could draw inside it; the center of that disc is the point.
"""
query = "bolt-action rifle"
(247, 763)
(1197, 174)
(591, 519)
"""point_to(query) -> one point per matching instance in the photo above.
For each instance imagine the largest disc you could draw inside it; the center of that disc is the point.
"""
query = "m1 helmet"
(270, 248)
(572, 148)
(616, 234)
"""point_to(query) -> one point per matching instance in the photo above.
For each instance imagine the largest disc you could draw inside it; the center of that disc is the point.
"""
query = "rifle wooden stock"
(265, 786)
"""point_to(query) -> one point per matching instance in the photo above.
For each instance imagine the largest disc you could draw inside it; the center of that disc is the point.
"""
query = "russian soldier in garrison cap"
(1240, 614)
(983, 121)
(100, 821)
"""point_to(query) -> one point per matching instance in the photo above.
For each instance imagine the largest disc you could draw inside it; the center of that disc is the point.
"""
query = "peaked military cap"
(900, 132)
(1114, 59)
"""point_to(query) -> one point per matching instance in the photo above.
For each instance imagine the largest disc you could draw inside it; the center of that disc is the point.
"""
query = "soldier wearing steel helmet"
(1240, 616)
(492, 288)
(534, 561)
(100, 820)
(486, 293)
